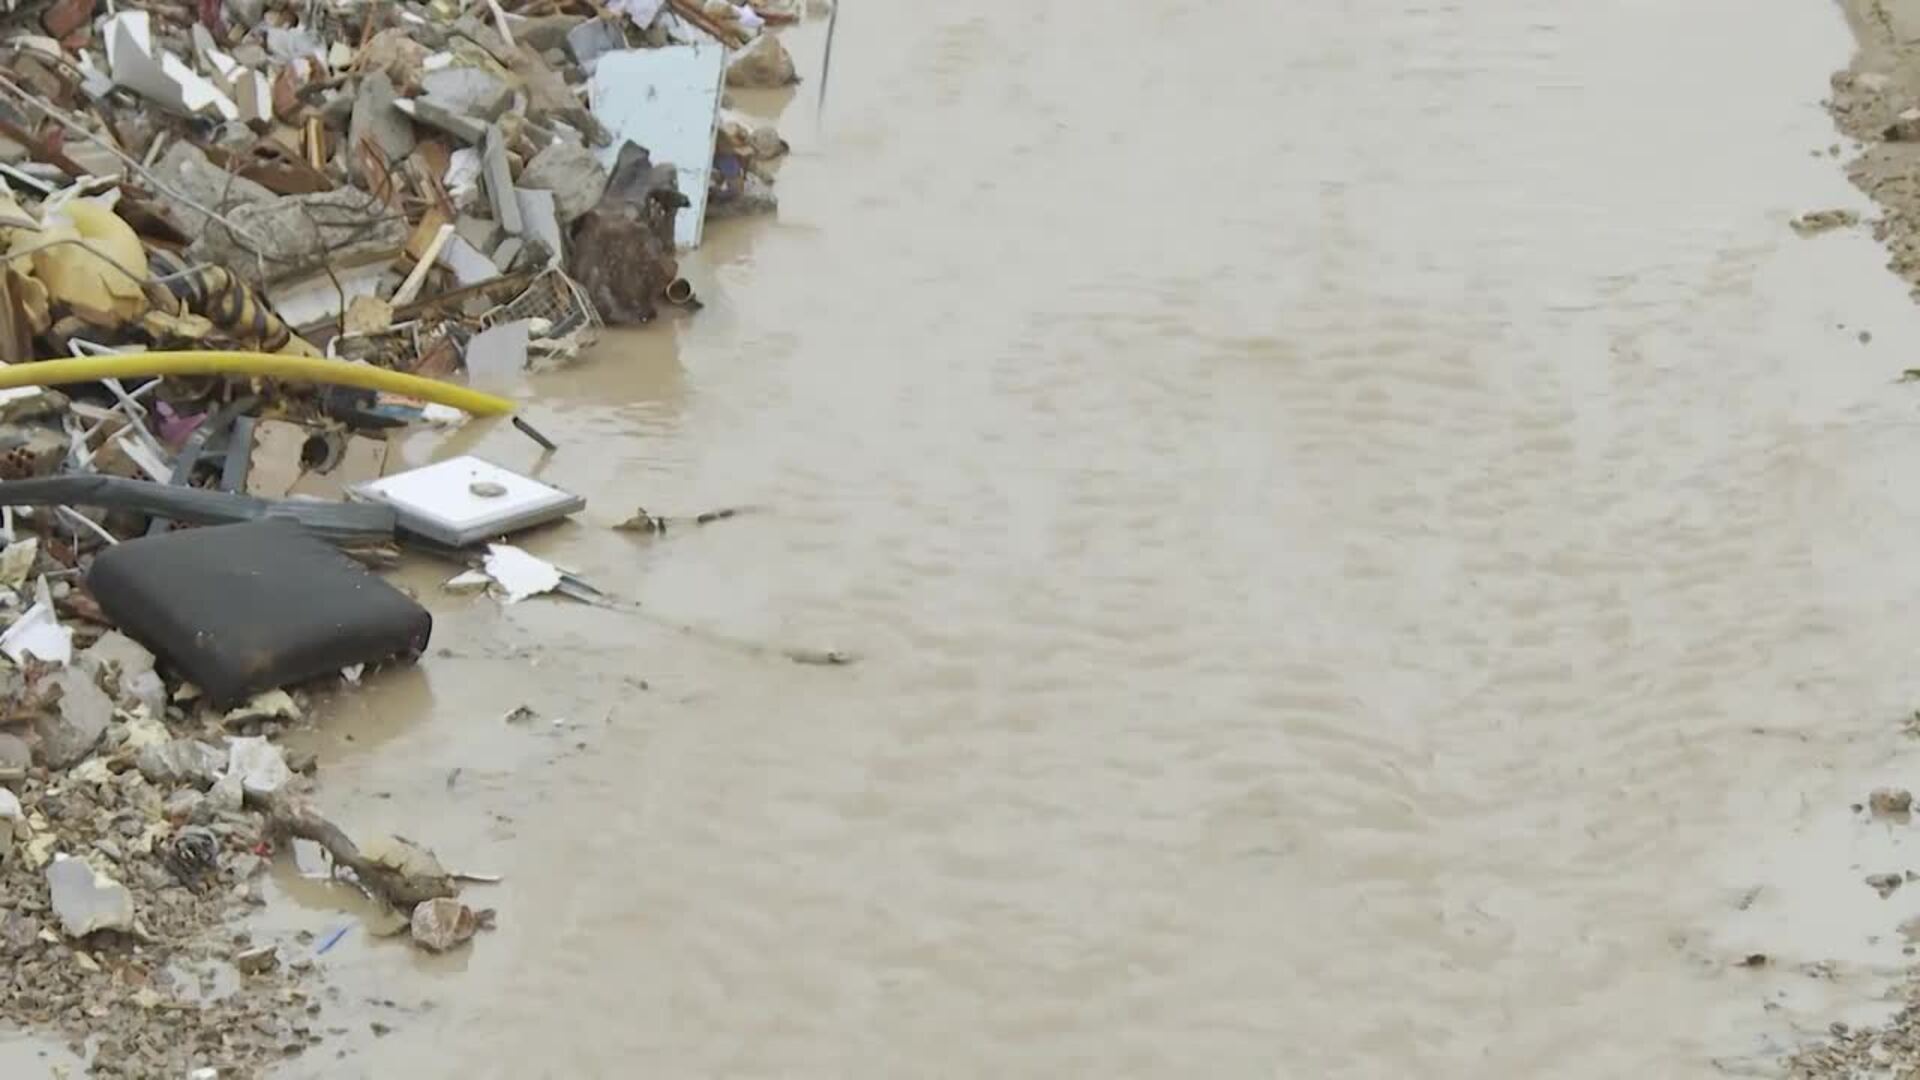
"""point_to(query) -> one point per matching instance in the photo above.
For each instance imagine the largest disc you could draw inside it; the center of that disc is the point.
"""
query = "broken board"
(464, 500)
(667, 100)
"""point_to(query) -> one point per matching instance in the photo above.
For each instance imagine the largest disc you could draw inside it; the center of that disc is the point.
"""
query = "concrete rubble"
(265, 238)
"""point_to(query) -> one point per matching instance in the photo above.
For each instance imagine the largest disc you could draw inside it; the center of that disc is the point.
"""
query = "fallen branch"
(643, 522)
(397, 887)
(687, 10)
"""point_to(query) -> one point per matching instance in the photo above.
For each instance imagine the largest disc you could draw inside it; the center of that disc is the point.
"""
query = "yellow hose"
(269, 365)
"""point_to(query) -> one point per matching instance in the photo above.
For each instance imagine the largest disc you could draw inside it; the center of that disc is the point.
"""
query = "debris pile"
(382, 182)
(121, 870)
(241, 243)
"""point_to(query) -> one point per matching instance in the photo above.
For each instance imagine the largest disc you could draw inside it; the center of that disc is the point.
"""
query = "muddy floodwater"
(1373, 551)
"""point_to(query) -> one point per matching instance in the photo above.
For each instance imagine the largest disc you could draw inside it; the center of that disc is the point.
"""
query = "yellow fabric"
(98, 290)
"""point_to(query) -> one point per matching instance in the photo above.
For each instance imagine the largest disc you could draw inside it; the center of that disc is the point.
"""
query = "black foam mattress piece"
(239, 609)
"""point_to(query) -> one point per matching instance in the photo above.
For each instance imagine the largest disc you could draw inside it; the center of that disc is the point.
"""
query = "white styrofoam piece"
(521, 575)
(159, 76)
(667, 100)
(309, 300)
(438, 501)
(39, 634)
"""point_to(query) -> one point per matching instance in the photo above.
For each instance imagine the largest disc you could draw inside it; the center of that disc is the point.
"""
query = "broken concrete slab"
(551, 100)
(427, 113)
(182, 761)
(547, 31)
(74, 725)
(134, 679)
(668, 101)
(186, 168)
(764, 63)
(497, 177)
(86, 900)
(301, 231)
(499, 354)
(482, 233)
(540, 213)
(485, 36)
(469, 264)
(593, 39)
(508, 253)
(574, 175)
(468, 90)
(376, 119)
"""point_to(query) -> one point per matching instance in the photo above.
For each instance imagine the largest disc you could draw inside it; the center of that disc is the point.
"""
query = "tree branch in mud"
(396, 886)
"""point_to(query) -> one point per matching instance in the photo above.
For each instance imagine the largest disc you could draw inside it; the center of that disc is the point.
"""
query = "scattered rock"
(18, 933)
(766, 143)
(183, 805)
(753, 196)
(182, 761)
(440, 925)
(764, 63)
(470, 91)
(1889, 802)
(1905, 127)
(1885, 884)
(85, 900)
(227, 795)
(572, 173)
(73, 726)
(186, 167)
(1819, 221)
(258, 764)
(257, 961)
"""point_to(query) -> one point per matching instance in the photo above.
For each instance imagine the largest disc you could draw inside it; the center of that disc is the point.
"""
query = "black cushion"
(240, 609)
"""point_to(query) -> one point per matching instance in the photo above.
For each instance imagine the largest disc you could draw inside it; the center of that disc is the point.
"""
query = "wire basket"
(552, 296)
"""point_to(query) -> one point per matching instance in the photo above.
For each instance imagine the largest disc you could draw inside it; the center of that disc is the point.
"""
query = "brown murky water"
(1373, 553)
